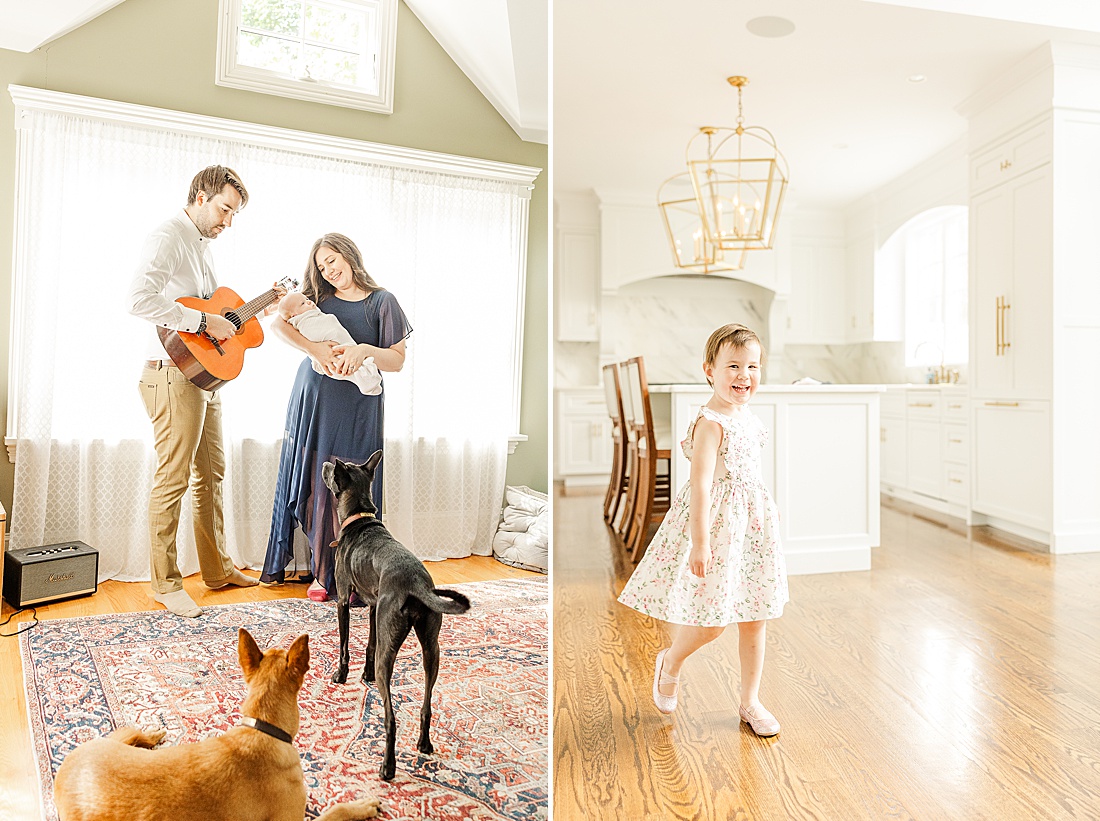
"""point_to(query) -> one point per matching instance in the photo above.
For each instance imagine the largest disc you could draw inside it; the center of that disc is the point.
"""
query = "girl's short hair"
(737, 335)
(318, 288)
(212, 179)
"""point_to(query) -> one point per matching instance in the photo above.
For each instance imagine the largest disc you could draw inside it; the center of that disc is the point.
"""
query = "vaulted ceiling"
(501, 45)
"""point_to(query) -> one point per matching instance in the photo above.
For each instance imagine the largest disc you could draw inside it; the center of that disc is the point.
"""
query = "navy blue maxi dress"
(328, 418)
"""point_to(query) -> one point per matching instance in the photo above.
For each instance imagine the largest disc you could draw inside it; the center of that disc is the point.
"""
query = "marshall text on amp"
(51, 572)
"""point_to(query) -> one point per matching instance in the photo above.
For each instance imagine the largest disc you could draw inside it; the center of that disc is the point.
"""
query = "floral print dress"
(747, 579)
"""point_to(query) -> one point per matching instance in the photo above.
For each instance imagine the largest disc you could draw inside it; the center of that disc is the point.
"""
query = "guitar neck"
(255, 306)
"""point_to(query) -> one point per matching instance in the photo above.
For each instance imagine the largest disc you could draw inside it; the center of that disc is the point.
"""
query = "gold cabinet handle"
(1002, 338)
(1002, 404)
(921, 405)
(955, 407)
(1000, 307)
(956, 481)
(997, 326)
(955, 441)
(1006, 164)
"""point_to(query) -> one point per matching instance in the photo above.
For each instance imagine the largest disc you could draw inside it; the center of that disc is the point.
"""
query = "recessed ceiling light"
(770, 26)
(917, 78)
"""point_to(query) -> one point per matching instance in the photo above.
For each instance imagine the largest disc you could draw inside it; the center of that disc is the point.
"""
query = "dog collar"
(270, 729)
(352, 518)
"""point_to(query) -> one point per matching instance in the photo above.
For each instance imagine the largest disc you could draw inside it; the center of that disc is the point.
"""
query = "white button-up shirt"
(175, 261)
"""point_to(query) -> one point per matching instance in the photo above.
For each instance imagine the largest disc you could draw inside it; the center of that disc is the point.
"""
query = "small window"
(339, 52)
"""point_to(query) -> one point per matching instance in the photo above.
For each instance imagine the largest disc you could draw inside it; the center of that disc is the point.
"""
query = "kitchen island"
(821, 464)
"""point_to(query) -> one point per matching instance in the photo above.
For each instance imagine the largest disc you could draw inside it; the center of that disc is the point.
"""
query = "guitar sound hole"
(236, 320)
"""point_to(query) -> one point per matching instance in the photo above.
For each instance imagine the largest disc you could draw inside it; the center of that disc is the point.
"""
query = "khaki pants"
(187, 434)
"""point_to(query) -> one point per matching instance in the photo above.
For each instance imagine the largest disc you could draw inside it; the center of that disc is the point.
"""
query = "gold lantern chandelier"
(691, 249)
(738, 179)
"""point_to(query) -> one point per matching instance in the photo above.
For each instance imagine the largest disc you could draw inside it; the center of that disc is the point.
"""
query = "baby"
(316, 326)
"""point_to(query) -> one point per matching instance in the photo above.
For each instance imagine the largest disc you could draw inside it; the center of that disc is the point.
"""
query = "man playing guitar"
(176, 262)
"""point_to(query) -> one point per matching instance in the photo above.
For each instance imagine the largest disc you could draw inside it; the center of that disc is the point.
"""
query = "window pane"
(335, 27)
(936, 288)
(276, 16)
(335, 66)
(271, 53)
(339, 52)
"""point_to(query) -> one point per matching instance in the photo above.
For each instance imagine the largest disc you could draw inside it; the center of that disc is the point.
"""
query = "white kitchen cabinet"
(1012, 463)
(861, 289)
(925, 448)
(577, 281)
(1014, 155)
(955, 433)
(924, 457)
(583, 437)
(1011, 261)
(892, 441)
(816, 313)
(924, 440)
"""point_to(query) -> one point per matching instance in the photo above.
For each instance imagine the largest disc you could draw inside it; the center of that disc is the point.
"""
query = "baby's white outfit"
(748, 578)
(317, 326)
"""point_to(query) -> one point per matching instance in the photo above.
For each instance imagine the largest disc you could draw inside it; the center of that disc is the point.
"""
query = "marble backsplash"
(668, 320)
(865, 363)
(577, 364)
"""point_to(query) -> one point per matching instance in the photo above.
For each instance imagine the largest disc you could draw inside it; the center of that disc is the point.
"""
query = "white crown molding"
(28, 99)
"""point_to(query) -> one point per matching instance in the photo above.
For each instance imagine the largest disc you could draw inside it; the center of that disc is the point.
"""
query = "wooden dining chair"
(617, 484)
(625, 521)
(650, 485)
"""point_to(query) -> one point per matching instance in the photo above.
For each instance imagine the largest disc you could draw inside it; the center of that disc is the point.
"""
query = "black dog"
(396, 586)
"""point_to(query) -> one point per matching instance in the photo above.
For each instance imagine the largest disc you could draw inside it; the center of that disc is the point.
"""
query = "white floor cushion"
(522, 540)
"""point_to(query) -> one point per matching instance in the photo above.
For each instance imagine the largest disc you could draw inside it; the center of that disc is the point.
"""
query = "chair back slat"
(611, 391)
(633, 391)
(625, 397)
(649, 486)
(639, 389)
(619, 481)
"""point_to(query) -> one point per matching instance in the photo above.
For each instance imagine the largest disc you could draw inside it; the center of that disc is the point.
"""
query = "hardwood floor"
(18, 780)
(958, 679)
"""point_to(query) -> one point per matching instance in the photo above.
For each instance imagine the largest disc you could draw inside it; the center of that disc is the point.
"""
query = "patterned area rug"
(86, 676)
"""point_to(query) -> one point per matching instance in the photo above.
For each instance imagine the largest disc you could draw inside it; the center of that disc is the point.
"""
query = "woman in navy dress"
(326, 417)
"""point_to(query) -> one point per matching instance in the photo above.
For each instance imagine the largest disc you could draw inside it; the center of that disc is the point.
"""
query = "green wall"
(162, 53)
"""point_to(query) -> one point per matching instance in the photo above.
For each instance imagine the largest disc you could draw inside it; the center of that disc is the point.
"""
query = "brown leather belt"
(157, 364)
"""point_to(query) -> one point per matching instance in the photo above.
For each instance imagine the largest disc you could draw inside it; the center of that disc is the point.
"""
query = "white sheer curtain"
(450, 247)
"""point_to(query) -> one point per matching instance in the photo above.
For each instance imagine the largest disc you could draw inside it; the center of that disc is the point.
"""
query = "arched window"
(921, 288)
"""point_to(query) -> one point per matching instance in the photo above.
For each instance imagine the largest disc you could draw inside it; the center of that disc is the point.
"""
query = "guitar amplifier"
(36, 575)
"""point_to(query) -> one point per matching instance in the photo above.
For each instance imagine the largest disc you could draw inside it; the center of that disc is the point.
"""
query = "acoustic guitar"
(206, 361)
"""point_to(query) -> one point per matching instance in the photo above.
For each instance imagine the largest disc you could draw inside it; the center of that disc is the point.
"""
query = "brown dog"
(251, 773)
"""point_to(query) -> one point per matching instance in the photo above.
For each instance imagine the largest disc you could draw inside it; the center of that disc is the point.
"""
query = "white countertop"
(685, 387)
(777, 388)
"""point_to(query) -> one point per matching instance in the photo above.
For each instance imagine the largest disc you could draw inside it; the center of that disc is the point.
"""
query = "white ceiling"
(501, 45)
(25, 26)
(634, 81)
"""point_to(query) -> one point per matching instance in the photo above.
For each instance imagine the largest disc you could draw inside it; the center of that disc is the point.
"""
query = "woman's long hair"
(318, 288)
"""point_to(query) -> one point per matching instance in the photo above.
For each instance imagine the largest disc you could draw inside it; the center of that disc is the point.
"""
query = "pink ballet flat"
(317, 592)
(666, 704)
(761, 722)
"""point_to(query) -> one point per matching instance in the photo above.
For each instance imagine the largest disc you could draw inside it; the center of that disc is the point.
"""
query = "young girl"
(716, 559)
